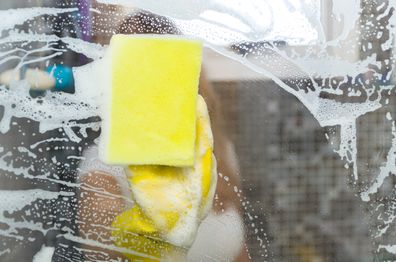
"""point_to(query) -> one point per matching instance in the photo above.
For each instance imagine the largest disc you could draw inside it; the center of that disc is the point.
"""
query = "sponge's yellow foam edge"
(150, 113)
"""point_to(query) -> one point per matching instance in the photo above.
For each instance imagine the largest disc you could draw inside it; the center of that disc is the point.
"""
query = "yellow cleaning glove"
(174, 199)
(135, 231)
(155, 123)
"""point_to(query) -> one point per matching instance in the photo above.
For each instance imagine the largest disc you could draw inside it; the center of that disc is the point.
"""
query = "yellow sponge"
(150, 108)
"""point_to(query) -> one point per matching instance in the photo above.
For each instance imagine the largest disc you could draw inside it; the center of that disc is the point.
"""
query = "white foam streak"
(389, 248)
(348, 145)
(94, 243)
(349, 13)
(219, 24)
(387, 169)
(91, 50)
(13, 17)
(260, 20)
(53, 111)
(13, 200)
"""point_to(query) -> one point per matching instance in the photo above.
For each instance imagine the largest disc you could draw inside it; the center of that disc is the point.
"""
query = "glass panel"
(301, 100)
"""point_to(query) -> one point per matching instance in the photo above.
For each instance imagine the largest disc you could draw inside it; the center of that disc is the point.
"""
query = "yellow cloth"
(173, 199)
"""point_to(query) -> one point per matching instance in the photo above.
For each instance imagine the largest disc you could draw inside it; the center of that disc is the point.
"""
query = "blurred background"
(299, 201)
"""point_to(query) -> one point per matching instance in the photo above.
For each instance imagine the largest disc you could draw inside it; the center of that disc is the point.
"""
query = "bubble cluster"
(340, 75)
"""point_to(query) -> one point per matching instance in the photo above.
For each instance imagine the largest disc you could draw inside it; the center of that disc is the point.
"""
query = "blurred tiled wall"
(292, 177)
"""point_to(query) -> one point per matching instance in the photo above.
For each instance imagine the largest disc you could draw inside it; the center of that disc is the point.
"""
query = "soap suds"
(319, 76)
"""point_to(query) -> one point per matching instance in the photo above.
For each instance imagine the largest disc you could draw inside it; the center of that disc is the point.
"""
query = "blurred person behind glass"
(221, 234)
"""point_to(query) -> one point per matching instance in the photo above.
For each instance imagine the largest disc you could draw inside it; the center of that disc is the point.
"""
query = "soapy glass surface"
(308, 98)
